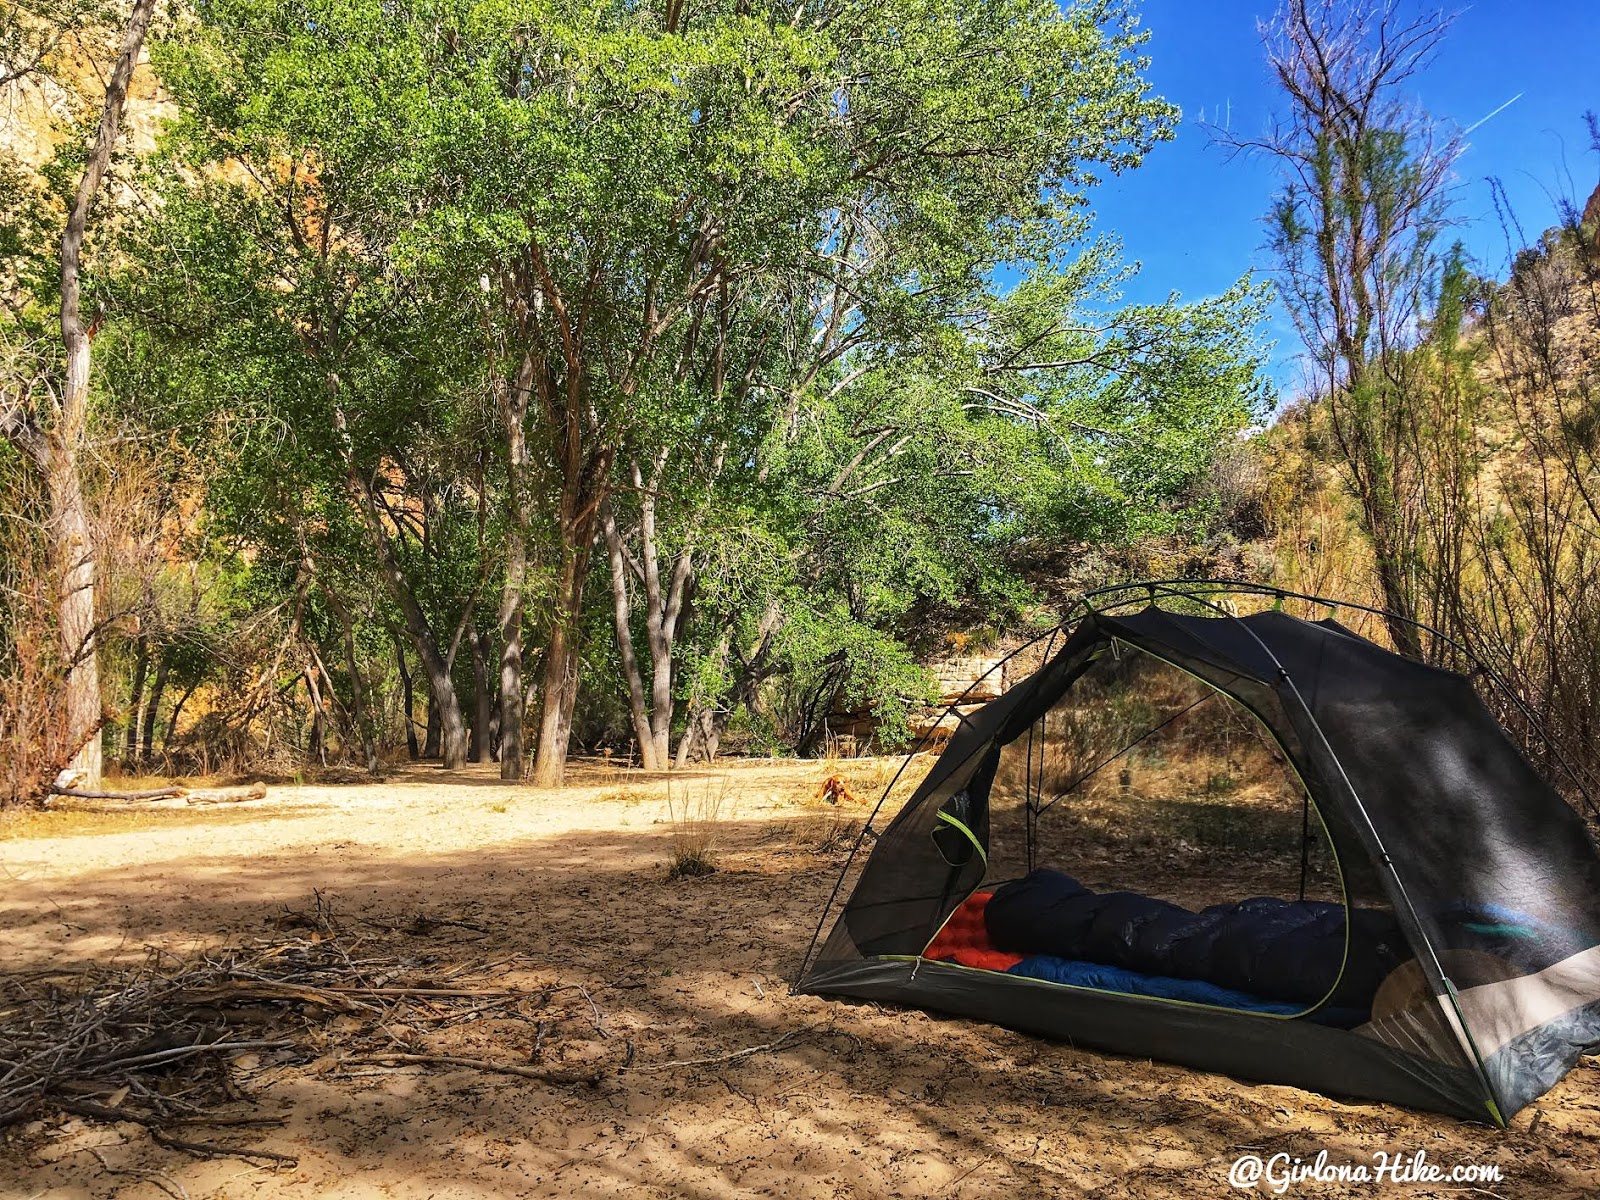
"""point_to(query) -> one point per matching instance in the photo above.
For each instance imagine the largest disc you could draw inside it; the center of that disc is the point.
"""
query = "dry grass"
(693, 812)
(630, 796)
(70, 820)
(828, 835)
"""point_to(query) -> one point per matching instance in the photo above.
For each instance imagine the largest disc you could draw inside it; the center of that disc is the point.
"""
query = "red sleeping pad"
(965, 939)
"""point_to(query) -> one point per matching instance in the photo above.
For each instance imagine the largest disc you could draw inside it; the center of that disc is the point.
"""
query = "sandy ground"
(569, 889)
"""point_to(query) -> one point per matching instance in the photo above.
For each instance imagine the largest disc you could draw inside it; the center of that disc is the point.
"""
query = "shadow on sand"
(855, 1100)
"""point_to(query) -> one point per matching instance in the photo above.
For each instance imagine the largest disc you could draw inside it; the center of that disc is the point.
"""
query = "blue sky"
(1192, 217)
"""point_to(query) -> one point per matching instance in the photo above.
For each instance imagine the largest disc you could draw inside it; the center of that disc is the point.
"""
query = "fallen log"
(233, 795)
(222, 795)
(164, 793)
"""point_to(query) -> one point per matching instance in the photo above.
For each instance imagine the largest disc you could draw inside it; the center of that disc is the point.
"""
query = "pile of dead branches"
(175, 1043)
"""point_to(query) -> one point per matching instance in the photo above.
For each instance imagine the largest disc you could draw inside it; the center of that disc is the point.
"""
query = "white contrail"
(1495, 113)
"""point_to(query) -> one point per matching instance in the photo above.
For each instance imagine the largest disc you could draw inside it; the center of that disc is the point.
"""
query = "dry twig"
(714, 1059)
(543, 1074)
(170, 1044)
(212, 1150)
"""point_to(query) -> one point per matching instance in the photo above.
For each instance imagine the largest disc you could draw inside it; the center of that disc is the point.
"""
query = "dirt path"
(569, 890)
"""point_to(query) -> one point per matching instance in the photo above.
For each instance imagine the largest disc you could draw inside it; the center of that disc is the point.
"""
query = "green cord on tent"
(971, 837)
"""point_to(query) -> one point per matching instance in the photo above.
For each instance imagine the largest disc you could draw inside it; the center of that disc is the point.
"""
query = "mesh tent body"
(1412, 778)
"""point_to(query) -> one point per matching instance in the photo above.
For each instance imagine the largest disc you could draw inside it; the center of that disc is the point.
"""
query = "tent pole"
(1029, 830)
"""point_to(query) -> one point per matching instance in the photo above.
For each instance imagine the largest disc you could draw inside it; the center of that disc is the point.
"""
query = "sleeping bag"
(1286, 950)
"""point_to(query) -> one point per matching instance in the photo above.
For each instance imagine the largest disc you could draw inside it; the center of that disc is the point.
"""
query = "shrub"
(694, 816)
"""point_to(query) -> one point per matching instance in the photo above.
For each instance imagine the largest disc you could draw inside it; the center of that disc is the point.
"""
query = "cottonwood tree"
(923, 484)
(746, 198)
(331, 378)
(681, 260)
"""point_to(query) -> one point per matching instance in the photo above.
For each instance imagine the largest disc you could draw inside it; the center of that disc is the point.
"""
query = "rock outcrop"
(1591, 219)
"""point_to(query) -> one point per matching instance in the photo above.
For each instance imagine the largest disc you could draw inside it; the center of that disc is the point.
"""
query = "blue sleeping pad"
(1192, 991)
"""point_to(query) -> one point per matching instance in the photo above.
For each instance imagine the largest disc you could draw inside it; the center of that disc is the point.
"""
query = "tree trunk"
(491, 694)
(621, 614)
(663, 629)
(710, 735)
(703, 726)
(559, 697)
(433, 730)
(147, 739)
(481, 749)
(73, 551)
(407, 698)
(1398, 599)
(359, 713)
(700, 729)
(664, 611)
(69, 525)
(691, 734)
(513, 415)
(560, 692)
(316, 745)
(177, 711)
(136, 701)
(579, 517)
(753, 672)
(452, 728)
(512, 755)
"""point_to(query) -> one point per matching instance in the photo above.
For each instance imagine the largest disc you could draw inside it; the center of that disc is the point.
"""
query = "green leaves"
(817, 280)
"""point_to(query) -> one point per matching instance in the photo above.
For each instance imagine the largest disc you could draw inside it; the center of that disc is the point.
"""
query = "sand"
(534, 889)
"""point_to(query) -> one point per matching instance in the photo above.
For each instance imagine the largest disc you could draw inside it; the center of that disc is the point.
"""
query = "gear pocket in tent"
(953, 836)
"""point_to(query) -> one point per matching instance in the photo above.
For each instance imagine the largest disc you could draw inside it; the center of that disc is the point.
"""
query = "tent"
(1462, 892)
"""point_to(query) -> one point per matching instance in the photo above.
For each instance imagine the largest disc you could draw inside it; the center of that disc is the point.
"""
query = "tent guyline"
(1458, 968)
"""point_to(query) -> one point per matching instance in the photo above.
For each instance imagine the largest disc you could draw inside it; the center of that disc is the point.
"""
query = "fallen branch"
(423, 991)
(268, 990)
(543, 1074)
(164, 793)
(212, 1150)
(224, 795)
(158, 1043)
(162, 1180)
(731, 1057)
(220, 1122)
(233, 795)
(163, 1056)
(99, 1112)
(102, 1112)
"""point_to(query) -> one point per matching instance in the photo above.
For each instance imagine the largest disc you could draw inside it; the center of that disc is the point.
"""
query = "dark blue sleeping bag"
(1283, 950)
